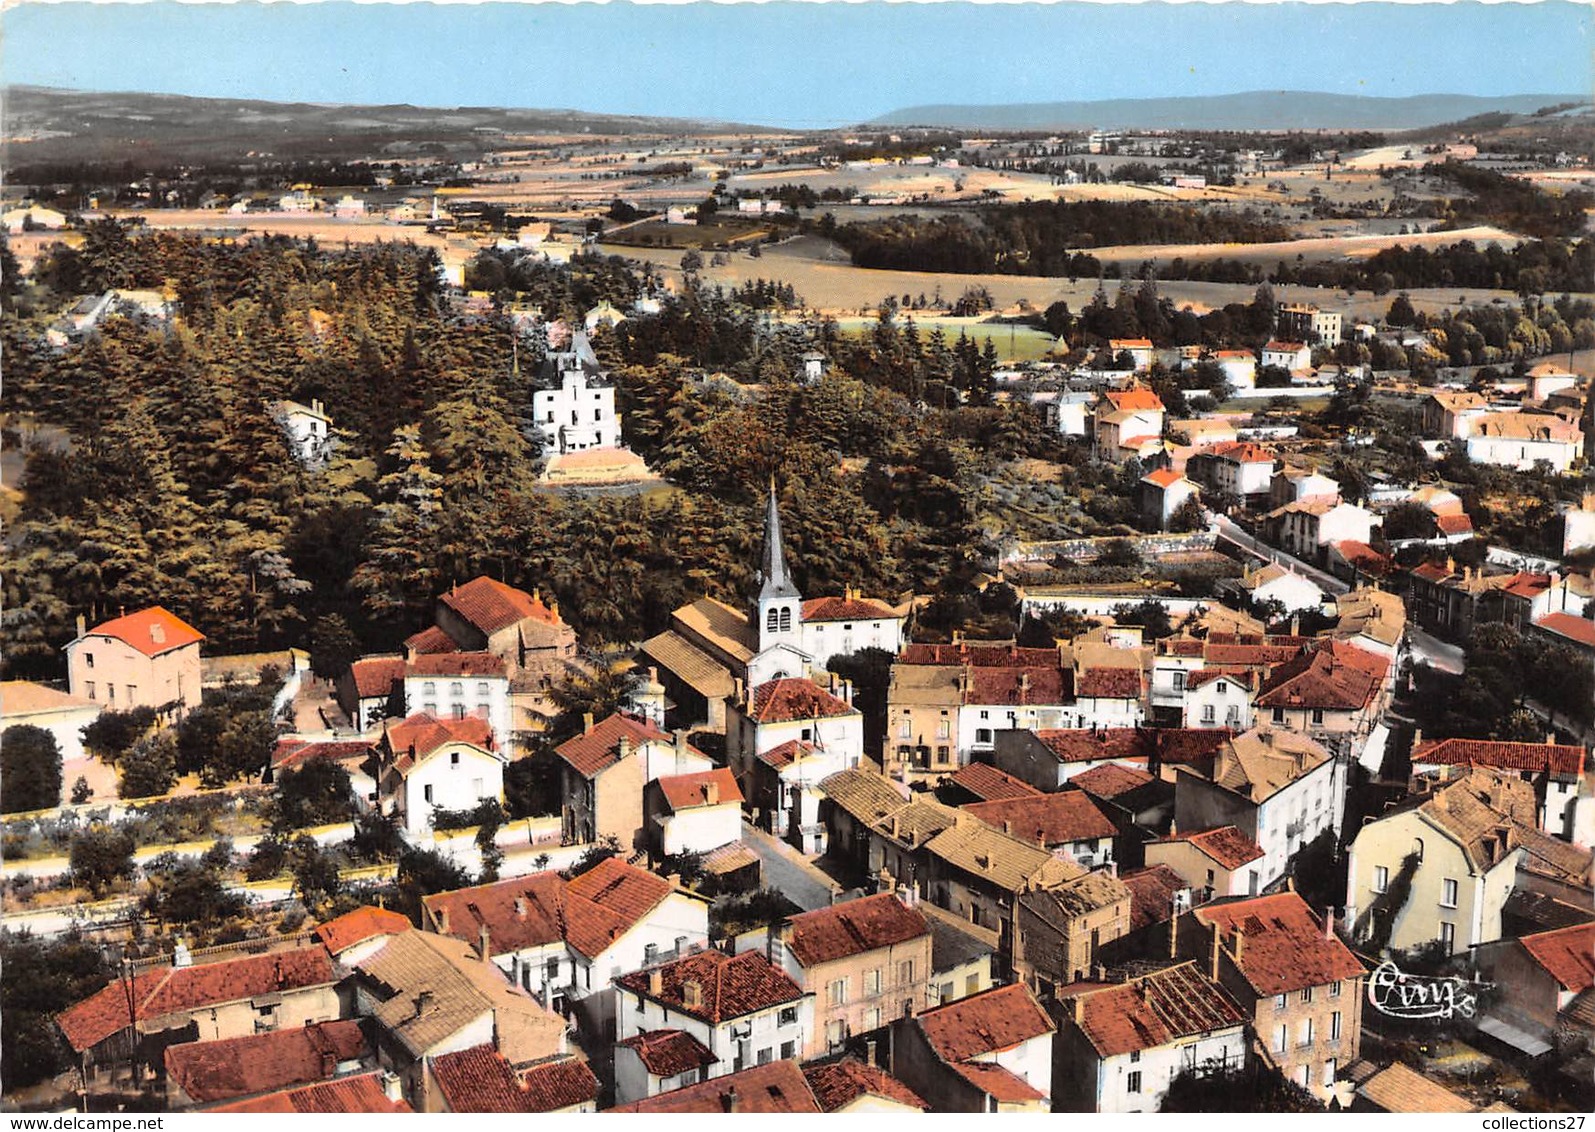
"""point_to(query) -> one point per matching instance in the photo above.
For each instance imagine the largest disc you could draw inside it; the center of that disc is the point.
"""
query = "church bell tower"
(778, 608)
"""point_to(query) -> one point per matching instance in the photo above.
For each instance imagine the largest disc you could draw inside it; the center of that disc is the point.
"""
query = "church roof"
(774, 582)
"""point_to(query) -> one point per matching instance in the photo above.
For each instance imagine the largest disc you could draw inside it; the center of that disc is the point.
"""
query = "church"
(715, 655)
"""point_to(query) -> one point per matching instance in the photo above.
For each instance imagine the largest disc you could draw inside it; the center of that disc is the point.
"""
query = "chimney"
(1007, 827)
(1079, 1009)
(520, 907)
(1239, 944)
(871, 1056)
(680, 738)
(329, 1063)
(1213, 958)
(624, 747)
(422, 1000)
(656, 982)
(392, 1086)
(1329, 923)
(730, 1101)
(738, 689)
(587, 722)
(83, 627)
(691, 993)
(1550, 738)
(484, 941)
(276, 971)
(711, 793)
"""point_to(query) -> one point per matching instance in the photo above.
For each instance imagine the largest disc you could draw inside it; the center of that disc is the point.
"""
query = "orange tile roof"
(1130, 343)
(1052, 819)
(1566, 625)
(845, 609)
(989, 1022)
(1152, 891)
(1154, 1010)
(599, 749)
(588, 912)
(174, 990)
(669, 1053)
(151, 631)
(431, 640)
(456, 664)
(1453, 524)
(340, 934)
(216, 1071)
(1319, 679)
(1135, 399)
(1559, 759)
(491, 606)
(1172, 745)
(296, 752)
(978, 655)
(837, 1084)
(1110, 780)
(345, 1095)
(1225, 844)
(479, 1079)
(1567, 955)
(852, 928)
(782, 756)
(413, 739)
(989, 784)
(795, 698)
(1046, 684)
(692, 791)
(1109, 683)
(375, 675)
(776, 1087)
(1242, 452)
(728, 986)
(1276, 346)
(1285, 948)
(1162, 477)
(1000, 1084)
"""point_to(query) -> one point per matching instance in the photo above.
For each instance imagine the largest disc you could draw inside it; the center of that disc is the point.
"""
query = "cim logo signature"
(1396, 994)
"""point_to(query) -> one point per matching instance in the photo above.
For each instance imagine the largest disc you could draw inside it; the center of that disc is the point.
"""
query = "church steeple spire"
(774, 581)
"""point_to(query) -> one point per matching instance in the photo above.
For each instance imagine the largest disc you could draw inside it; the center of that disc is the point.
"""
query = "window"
(1132, 1083)
(1232, 717)
(838, 992)
(454, 758)
(88, 659)
(872, 1018)
(481, 687)
(110, 692)
(788, 1050)
(787, 1017)
(1318, 715)
(764, 1056)
(905, 729)
(458, 711)
(944, 729)
(1307, 994)
(1334, 1026)
(872, 982)
(1381, 878)
(1330, 1069)
(426, 792)
(983, 735)
(944, 754)
(1448, 893)
(1281, 1037)
(1209, 713)
(786, 619)
(772, 622)
(1279, 715)
(1305, 1037)
(1334, 989)
(429, 689)
(552, 974)
(1179, 681)
(835, 1033)
(1448, 936)
(905, 972)
(1135, 1056)
(1281, 1001)
(132, 693)
(91, 689)
(971, 984)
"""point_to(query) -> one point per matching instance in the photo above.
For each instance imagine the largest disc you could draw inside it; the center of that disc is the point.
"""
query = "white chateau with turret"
(578, 413)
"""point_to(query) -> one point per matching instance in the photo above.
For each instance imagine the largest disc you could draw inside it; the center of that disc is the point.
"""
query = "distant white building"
(309, 431)
(579, 413)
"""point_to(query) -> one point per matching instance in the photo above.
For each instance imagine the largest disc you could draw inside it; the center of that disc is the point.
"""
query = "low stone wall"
(1089, 549)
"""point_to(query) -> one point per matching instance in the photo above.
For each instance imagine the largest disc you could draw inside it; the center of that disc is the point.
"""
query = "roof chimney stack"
(730, 1101)
(656, 981)
(83, 627)
(587, 722)
(1329, 923)
(484, 941)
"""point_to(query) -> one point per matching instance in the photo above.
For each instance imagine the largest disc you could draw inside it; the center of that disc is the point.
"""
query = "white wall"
(1158, 1068)
(455, 785)
(701, 829)
(1222, 696)
(823, 640)
(485, 697)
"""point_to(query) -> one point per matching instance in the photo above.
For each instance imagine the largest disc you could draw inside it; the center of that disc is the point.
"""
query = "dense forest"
(164, 477)
(1041, 237)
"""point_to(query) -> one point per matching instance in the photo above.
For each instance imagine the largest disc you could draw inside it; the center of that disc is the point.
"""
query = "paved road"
(1431, 650)
(786, 870)
(1327, 582)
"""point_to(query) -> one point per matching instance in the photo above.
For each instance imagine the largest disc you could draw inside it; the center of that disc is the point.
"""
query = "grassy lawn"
(1013, 343)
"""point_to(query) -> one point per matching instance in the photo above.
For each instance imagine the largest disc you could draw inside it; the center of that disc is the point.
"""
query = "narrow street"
(1330, 584)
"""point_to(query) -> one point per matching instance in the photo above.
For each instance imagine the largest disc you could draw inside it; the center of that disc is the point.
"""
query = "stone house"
(604, 772)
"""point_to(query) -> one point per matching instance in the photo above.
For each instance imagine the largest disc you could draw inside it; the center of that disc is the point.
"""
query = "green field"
(1013, 343)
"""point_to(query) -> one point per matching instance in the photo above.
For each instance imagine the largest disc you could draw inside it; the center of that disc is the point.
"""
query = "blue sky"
(793, 64)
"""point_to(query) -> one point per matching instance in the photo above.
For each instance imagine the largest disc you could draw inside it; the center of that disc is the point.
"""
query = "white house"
(425, 763)
(1272, 582)
(1120, 1047)
(1239, 366)
(695, 813)
(457, 685)
(580, 412)
(33, 216)
(563, 941)
(1521, 440)
(1163, 492)
(61, 714)
(742, 1009)
(1287, 355)
(1140, 350)
(349, 208)
(1306, 526)
(1216, 699)
(1240, 469)
(1126, 423)
(309, 430)
(1069, 412)
(1547, 378)
(841, 626)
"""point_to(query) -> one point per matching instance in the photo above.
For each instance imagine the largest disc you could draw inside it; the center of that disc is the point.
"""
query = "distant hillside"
(1258, 110)
(45, 124)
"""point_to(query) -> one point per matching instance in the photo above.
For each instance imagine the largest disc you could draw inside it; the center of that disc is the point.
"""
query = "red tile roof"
(174, 990)
(1432, 572)
(456, 664)
(375, 675)
(1042, 684)
(1002, 1085)
(1152, 892)
(989, 1022)
(1052, 819)
(1244, 677)
(990, 784)
(1560, 760)
(845, 609)
(1110, 780)
(1575, 629)
(1567, 954)
(491, 606)
(838, 1084)
(1320, 679)
(728, 986)
(599, 749)
(479, 1079)
(1363, 556)
(1130, 343)
(776, 1087)
(1226, 845)
(588, 912)
(236, 1067)
(1242, 452)
(151, 631)
(784, 755)
(340, 934)
(1162, 477)
(1453, 524)
(1285, 946)
(978, 655)
(413, 739)
(345, 1095)
(853, 928)
(296, 752)
(669, 1053)
(1132, 744)
(1273, 345)
(1109, 683)
(431, 640)
(795, 698)
(1154, 1010)
(717, 787)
